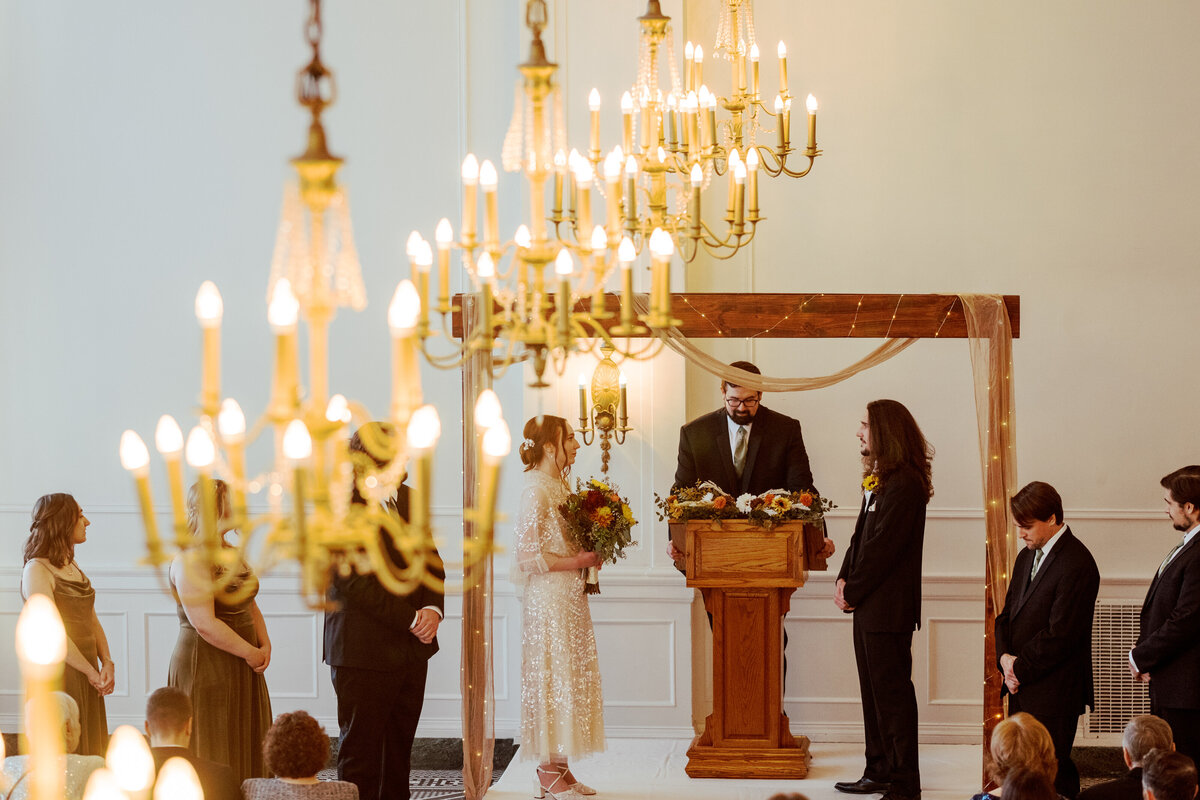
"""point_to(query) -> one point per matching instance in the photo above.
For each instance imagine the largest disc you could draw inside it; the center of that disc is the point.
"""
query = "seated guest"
(296, 749)
(1167, 775)
(1029, 784)
(1019, 742)
(79, 768)
(169, 725)
(1144, 733)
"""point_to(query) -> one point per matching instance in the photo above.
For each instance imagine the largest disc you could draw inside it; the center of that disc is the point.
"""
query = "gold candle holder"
(41, 649)
(136, 459)
(470, 179)
(403, 313)
(168, 441)
(209, 310)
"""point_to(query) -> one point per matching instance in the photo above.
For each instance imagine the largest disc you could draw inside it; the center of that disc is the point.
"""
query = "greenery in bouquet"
(706, 500)
(599, 519)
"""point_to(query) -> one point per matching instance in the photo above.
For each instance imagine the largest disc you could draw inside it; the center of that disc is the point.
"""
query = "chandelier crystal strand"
(310, 519)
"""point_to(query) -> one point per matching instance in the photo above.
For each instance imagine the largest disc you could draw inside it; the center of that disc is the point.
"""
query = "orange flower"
(602, 516)
(614, 497)
(806, 499)
(720, 502)
(768, 499)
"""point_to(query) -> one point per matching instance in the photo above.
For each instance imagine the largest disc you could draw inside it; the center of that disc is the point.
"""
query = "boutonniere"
(871, 483)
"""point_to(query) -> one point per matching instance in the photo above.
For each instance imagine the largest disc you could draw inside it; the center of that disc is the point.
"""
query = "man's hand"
(1010, 676)
(425, 625)
(674, 553)
(828, 549)
(839, 596)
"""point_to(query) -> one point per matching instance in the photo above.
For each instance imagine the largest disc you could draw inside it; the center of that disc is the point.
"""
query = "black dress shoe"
(897, 795)
(863, 785)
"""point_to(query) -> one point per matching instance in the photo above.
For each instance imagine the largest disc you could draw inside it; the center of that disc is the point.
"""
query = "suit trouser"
(889, 708)
(1062, 729)
(1185, 727)
(378, 713)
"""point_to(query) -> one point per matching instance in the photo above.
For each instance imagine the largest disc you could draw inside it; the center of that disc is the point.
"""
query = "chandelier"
(652, 188)
(309, 517)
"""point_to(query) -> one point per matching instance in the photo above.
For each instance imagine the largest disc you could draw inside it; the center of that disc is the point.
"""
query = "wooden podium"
(747, 575)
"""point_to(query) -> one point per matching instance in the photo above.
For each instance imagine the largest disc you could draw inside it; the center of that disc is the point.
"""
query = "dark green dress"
(231, 710)
(76, 601)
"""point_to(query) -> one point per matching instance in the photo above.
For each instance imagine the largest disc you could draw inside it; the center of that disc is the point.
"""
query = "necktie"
(1170, 555)
(739, 450)
(1037, 562)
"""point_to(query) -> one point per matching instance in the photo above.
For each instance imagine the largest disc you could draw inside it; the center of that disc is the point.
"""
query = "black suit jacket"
(882, 566)
(775, 454)
(216, 780)
(1048, 627)
(1126, 787)
(1168, 646)
(369, 626)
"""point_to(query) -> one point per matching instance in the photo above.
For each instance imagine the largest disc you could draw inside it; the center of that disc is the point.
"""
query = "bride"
(562, 712)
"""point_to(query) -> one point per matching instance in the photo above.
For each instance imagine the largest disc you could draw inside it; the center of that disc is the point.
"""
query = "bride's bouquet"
(598, 519)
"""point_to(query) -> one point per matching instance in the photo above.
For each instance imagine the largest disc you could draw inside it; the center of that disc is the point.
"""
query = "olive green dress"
(76, 601)
(231, 710)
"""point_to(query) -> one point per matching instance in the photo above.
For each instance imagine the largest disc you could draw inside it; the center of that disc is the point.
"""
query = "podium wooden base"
(706, 761)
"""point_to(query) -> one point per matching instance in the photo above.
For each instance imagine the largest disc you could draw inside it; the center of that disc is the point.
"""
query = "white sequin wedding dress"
(562, 711)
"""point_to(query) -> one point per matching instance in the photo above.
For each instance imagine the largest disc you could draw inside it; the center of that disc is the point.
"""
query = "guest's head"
(1144, 733)
(890, 441)
(296, 746)
(1029, 784)
(373, 449)
(68, 715)
(222, 506)
(1037, 510)
(1183, 497)
(1167, 775)
(741, 403)
(549, 440)
(169, 718)
(1021, 742)
(58, 525)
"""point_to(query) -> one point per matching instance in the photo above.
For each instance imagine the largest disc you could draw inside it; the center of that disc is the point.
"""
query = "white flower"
(708, 498)
(771, 511)
(743, 503)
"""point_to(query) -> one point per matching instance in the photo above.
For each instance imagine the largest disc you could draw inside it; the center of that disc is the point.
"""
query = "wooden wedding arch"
(991, 322)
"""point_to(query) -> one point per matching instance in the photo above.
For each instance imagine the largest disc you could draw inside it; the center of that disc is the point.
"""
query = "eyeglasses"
(733, 402)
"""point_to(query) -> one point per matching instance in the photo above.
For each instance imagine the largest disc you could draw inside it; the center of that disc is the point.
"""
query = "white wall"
(1037, 149)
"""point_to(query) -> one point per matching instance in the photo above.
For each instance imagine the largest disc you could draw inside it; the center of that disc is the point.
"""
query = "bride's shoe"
(583, 788)
(566, 792)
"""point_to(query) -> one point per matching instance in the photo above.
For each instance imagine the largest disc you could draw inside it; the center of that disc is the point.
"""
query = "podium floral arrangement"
(706, 500)
(598, 519)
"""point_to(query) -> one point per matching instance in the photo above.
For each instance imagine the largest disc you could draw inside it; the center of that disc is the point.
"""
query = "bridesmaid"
(562, 714)
(50, 569)
(222, 650)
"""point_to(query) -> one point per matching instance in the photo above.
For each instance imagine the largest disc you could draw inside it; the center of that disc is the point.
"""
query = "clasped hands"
(1010, 676)
(839, 595)
(1140, 677)
(106, 679)
(425, 625)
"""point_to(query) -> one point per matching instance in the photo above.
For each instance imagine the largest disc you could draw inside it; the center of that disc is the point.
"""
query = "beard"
(740, 416)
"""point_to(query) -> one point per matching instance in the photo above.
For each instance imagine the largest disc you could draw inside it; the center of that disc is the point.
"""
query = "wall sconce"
(609, 411)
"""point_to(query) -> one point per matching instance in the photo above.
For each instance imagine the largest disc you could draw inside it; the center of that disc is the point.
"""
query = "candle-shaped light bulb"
(470, 170)
(783, 80)
(612, 167)
(168, 437)
(698, 55)
(711, 102)
(424, 428)
(739, 172)
(626, 103)
(404, 309)
(177, 780)
(297, 442)
(599, 239)
(231, 422)
(444, 233)
(688, 49)
(594, 100)
(487, 176)
(778, 104)
(200, 451)
(130, 760)
(584, 417)
(485, 267)
(584, 173)
(752, 159)
(661, 244)
(497, 441)
(284, 309)
(411, 244)
(811, 103)
(41, 638)
(423, 257)
(487, 410)
(754, 55)
(564, 265)
(754, 52)
(626, 252)
(735, 158)
(523, 237)
(103, 785)
(209, 306)
(134, 455)
(752, 181)
(697, 176)
(338, 409)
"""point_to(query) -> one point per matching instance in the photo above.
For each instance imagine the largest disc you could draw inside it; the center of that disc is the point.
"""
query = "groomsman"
(1167, 653)
(1044, 633)
(880, 583)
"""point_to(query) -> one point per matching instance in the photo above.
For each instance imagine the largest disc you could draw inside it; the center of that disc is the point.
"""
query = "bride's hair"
(540, 431)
